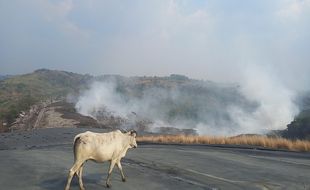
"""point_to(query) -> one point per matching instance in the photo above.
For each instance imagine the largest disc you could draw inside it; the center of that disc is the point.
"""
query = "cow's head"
(132, 142)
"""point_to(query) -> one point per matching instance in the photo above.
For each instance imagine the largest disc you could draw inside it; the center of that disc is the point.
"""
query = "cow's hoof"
(82, 188)
(109, 185)
(124, 179)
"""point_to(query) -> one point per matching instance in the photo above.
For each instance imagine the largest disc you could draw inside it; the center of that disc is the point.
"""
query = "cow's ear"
(133, 133)
(123, 131)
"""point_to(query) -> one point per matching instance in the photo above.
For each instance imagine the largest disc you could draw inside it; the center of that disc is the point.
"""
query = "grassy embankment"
(261, 141)
(20, 92)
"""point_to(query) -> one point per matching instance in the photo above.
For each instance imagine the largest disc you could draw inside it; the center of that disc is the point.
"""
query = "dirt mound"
(59, 114)
(63, 114)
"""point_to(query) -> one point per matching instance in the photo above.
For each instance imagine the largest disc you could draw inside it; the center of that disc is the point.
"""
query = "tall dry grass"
(255, 140)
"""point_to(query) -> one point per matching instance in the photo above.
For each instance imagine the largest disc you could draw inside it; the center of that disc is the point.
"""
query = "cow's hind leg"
(79, 173)
(112, 164)
(76, 166)
(119, 165)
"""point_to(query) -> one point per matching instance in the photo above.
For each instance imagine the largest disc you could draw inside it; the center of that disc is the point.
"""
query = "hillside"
(299, 128)
(158, 103)
(170, 105)
(173, 100)
(3, 77)
(18, 93)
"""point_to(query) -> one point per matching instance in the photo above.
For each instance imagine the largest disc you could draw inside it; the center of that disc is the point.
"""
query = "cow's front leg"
(119, 165)
(112, 164)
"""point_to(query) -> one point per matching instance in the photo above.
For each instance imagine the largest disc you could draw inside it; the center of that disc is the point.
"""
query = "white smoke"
(274, 108)
(101, 95)
(276, 102)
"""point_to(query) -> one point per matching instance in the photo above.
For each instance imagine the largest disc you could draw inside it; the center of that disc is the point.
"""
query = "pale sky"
(212, 39)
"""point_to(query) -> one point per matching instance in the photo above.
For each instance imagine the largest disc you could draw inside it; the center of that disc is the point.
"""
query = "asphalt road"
(150, 166)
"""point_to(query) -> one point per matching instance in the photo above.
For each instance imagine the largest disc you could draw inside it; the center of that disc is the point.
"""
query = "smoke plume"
(276, 102)
(258, 104)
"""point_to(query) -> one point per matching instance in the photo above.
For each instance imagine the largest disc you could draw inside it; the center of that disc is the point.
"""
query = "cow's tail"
(75, 143)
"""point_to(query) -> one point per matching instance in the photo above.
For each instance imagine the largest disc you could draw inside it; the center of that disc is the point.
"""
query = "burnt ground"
(40, 159)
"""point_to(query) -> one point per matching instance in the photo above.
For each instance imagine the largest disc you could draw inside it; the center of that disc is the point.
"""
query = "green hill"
(174, 99)
(18, 93)
(3, 77)
(195, 100)
(300, 127)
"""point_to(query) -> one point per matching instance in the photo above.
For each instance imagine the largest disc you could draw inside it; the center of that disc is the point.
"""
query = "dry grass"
(255, 140)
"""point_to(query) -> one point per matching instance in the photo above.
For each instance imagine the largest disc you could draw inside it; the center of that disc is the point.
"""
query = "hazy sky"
(215, 40)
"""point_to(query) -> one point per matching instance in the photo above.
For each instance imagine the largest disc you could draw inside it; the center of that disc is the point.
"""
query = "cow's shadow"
(90, 181)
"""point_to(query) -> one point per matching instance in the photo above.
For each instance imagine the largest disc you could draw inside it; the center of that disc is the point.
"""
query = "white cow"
(100, 147)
